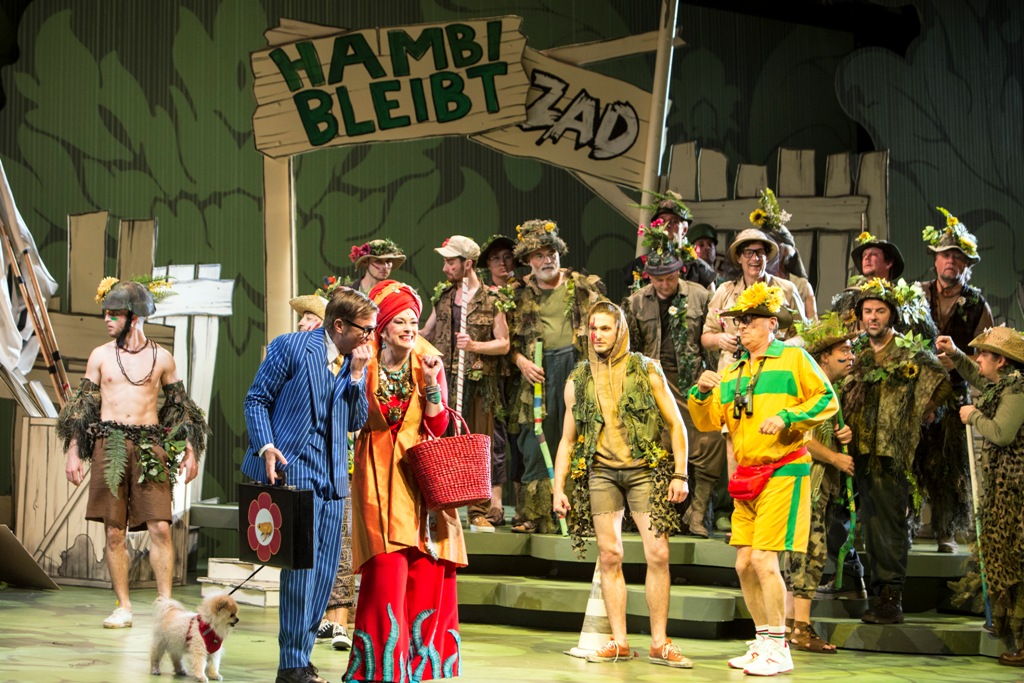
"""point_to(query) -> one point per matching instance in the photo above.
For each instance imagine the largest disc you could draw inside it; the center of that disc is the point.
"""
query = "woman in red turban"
(407, 619)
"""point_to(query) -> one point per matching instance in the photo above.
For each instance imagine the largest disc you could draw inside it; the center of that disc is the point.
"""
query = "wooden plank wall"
(87, 238)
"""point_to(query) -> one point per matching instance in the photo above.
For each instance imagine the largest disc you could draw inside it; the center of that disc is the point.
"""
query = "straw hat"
(1005, 341)
(310, 303)
(752, 235)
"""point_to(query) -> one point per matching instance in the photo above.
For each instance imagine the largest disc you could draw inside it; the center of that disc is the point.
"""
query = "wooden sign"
(579, 120)
(396, 83)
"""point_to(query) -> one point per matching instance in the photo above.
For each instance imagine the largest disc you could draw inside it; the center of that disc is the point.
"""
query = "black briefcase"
(275, 526)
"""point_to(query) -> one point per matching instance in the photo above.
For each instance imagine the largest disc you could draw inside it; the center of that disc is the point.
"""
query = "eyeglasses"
(745, 319)
(751, 253)
(365, 331)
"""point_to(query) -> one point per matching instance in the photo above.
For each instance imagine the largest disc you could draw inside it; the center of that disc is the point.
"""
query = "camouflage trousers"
(802, 571)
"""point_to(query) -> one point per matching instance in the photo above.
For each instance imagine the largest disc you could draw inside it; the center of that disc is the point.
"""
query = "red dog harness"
(210, 638)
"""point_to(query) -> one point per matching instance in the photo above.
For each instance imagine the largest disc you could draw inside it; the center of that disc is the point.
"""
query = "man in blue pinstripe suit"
(308, 393)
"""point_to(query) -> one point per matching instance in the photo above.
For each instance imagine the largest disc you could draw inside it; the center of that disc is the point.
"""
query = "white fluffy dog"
(197, 635)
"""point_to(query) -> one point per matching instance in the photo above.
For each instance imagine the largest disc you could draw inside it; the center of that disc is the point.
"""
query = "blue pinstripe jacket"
(289, 404)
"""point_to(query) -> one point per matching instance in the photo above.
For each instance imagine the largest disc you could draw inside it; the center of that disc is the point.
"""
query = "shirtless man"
(113, 418)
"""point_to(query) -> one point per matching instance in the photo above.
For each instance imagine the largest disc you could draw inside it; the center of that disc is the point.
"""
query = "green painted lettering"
(402, 46)
(314, 107)
(486, 74)
(419, 102)
(353, 128)
(353, 49)
(308, 61)
(493, 40)
(382, 106)
(462, 40)
(450, 103)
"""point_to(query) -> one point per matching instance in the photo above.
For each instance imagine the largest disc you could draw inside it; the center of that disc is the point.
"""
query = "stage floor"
(57, 636)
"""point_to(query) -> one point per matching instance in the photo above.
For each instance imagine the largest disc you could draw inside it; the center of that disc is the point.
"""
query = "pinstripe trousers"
(304, 592)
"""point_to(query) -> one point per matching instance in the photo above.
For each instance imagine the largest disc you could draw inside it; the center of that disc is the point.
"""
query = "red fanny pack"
(749, 480)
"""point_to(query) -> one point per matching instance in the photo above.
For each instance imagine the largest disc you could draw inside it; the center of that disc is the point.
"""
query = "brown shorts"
(135, 503)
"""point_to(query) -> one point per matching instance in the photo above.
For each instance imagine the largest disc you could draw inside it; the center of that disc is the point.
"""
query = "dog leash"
(254, 572)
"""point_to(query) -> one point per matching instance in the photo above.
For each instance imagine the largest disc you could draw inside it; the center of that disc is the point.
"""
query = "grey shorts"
(611, 487)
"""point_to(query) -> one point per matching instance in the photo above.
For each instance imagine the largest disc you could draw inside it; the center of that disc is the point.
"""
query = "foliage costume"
(998, 418)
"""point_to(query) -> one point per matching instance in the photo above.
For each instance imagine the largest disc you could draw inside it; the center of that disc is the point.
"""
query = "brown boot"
(886, 609)
(702, 491)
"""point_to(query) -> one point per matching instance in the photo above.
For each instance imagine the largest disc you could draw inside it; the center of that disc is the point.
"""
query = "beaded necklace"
(144, 380)
(394, 389)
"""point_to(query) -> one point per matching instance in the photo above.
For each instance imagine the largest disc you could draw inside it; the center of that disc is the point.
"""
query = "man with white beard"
(551, 307)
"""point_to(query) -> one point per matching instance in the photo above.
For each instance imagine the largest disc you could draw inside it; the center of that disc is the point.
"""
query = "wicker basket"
(452, 471)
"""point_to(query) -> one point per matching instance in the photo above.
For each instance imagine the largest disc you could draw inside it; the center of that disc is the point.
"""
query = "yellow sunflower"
(106, 284)
(758, 217)
(952, 220)
(549, 226)
(759, 294)
(865, 237)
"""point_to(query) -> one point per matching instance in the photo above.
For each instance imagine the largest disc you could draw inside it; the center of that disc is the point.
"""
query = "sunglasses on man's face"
(365, 332)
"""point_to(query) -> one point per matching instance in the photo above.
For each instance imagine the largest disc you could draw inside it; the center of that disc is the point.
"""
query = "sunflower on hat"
(759, 295)
(159, 287)
(953, 236)
(769, 215)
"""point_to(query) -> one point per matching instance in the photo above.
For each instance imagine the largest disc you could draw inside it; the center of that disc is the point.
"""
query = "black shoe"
(304, 674)
(887, 608)
(853, 589)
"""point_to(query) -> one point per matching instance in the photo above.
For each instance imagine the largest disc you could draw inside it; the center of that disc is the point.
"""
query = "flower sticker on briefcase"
(275, 525)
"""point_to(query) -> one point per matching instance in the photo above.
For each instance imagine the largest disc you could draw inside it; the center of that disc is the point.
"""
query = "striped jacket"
(297, 404)
(791, 386)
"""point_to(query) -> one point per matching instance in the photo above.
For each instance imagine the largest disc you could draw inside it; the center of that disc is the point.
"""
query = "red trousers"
(407, 620)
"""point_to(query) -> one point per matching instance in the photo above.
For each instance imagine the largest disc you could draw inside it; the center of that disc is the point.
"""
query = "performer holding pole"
(999, 507)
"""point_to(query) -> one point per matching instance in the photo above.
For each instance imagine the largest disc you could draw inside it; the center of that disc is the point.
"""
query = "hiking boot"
(611, 652)
(752, 653)
(853, 589)
(669, 655)
(774, 658)
(887, 608)
(326, 631)
(119, 618)
(478, 523)
(341, 640)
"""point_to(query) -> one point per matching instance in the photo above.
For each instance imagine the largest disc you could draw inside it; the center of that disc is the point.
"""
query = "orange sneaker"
(669, 655)
(611, 652)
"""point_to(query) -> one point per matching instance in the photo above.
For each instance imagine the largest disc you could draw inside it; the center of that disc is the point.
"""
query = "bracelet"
(434, 394)
(680, 477)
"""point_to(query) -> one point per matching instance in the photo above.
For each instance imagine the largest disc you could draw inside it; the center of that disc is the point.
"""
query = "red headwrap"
(393, 297)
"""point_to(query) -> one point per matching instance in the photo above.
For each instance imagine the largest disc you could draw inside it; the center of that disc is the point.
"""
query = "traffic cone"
(596, 630)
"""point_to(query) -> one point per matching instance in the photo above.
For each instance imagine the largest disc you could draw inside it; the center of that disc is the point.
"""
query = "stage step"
(929, 632)
(256, 593)
(225, 573)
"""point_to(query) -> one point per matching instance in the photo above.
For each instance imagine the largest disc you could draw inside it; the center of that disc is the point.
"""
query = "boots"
(887, 608)
(701, 496)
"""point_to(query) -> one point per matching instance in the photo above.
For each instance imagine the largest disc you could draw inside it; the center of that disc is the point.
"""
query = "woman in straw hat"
(997, 417)
(407, 619)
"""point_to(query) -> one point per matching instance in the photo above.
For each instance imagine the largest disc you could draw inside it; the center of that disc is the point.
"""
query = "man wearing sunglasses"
(308, 393)
(770, 399)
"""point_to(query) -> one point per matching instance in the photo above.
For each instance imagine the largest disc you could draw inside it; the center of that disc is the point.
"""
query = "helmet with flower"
(865, 240)
(906, 301)
(954, 235)
(137, 295)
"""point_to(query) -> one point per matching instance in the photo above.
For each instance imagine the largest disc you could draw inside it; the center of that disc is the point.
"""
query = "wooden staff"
(58, 360)
(462, 352)
(851, 506)
(43, 345)
(977, 522)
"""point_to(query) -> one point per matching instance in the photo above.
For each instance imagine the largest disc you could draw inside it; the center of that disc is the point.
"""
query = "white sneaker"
(119, 618)
(774, 659)
(753, 649)
(341, 640)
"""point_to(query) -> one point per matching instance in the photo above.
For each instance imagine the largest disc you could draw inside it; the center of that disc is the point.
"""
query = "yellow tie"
(336, 364)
